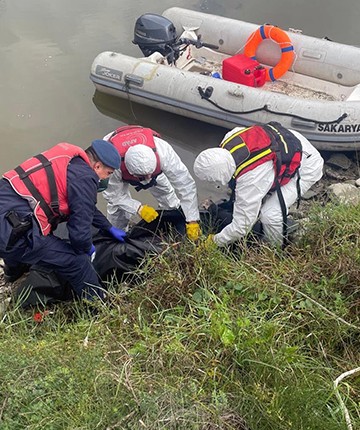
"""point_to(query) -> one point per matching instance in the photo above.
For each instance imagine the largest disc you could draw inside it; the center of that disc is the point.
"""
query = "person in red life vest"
(58, 185)
(268, 167)
(149, 162)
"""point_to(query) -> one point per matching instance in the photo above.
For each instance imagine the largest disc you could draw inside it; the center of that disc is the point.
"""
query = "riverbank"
(202, 340)
(340, 182)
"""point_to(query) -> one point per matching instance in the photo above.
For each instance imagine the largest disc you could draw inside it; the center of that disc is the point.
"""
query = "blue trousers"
(49, 251)
(58, 255)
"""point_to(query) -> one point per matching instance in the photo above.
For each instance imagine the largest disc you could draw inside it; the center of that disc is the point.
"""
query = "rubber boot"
(12, 273)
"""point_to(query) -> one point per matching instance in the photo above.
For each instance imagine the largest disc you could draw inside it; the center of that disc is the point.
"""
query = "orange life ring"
(277, 35)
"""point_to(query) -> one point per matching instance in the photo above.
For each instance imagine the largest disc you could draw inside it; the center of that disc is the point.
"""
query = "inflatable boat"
(229, 72)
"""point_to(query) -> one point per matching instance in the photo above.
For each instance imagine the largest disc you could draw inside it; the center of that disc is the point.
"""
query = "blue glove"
(117, 233)
(92, 252)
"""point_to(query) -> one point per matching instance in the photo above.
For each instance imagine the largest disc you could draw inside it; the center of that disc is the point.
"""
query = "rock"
(346, 193)
(357, 182)
(339, 161)
(350, 181)
(6, 287)
(3, 307)
(310, 194)
(331, 173)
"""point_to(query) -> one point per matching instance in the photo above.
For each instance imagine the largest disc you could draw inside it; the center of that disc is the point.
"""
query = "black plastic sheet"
(43, 285)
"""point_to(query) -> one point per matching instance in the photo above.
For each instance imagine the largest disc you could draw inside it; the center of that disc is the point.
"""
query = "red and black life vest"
(258, 144)
(42, 181)
(124, 138)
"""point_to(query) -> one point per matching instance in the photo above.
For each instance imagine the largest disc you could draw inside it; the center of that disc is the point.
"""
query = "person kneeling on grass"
(58, 185)
(149, 162)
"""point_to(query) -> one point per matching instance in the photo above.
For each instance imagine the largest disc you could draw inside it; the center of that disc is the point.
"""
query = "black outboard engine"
(154, 33)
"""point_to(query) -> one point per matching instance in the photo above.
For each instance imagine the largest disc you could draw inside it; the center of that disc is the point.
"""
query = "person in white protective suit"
(247, 158)
(149, 162)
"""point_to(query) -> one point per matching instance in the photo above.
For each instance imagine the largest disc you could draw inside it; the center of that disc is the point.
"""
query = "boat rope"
(341, 401)
(207, 93)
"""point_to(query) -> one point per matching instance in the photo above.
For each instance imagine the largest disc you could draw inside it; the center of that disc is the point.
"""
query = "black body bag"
(43, 285)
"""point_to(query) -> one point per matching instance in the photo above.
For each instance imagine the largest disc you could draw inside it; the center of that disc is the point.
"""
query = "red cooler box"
(243, 70)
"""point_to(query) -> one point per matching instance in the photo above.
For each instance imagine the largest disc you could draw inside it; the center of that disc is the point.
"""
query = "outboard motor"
(155, 33)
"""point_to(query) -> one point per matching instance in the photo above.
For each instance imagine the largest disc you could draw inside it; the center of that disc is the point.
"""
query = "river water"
(47, 47)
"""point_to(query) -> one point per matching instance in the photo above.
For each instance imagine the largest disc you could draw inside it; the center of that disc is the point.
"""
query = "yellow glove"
(193, 231)
(148, 213)
(209, 241)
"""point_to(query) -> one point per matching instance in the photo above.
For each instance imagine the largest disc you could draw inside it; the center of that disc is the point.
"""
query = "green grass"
(201, 339)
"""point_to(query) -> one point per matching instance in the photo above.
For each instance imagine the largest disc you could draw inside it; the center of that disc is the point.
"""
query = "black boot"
(12, 273)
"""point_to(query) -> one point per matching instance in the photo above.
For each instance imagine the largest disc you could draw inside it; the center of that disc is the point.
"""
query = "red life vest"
(42, 181)
(124, 138)
(256, 145)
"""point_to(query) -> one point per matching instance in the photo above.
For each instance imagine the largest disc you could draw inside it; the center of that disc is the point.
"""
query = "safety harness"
(42, 180)
(52, 210)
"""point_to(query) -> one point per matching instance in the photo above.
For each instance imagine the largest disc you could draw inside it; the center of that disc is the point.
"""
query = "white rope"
(294, 61)
(247, 41)
(286, 44)
(328, 311)
(342, 404)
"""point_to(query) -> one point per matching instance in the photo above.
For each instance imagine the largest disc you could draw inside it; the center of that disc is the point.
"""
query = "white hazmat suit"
(252, 198)
(174, 188)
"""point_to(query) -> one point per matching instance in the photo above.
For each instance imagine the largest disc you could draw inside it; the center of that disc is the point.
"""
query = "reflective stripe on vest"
(268, 142)
(255, 145)
(288, 149)
(281, 137)
(250, 147)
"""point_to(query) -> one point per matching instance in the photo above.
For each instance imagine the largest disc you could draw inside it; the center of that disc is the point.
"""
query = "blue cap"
(107, 153)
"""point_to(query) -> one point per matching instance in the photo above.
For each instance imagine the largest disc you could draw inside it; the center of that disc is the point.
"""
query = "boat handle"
(304, 124)
(312, 54)
(134, 79)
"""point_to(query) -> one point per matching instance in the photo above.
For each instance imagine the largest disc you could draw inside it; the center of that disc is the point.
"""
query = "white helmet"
(215, 165)
(140, 160)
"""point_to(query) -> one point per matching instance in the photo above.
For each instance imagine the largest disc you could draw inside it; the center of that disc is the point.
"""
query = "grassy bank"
(201, 339)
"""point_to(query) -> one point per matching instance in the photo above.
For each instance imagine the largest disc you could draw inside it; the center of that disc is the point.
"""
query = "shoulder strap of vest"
(285, 145)
(237, 145)
(54, 198)
(275, 137)
(139, 186)
(284, 214)
(52, 210)
(237, 148)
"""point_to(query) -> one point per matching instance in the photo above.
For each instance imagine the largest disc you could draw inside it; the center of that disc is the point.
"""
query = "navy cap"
(107, 153)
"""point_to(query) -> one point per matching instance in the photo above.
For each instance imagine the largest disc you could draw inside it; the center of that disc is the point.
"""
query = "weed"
(199, 339)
